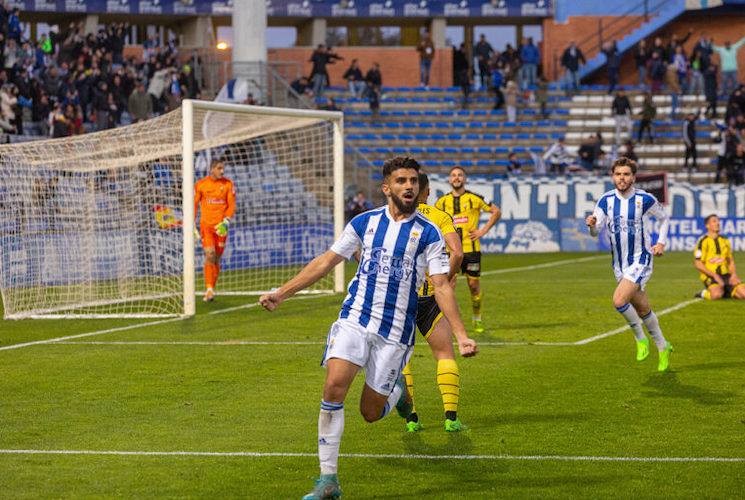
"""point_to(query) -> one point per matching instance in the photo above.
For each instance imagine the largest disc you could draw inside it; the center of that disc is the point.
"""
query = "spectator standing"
(710, 89)
(319, 75)
(673, 87)
(483, 52)
(621, 109)
(689, 139)
(541, 96)
(681, 67)
(571, 60)
(728, 62)
(374, 79)
(649, 112)
(462, 71)
(511, 93)
(613, 64)
(530, 57)
(354, 79)
(139, 103)
(426, 49)
(641, 56)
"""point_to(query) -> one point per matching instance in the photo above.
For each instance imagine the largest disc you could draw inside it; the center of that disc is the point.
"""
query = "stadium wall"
(547, 214)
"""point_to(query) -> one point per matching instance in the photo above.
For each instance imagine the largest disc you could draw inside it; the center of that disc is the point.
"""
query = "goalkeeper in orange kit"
(215, 194)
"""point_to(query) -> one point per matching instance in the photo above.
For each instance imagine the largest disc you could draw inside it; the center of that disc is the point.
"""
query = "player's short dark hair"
(624, 162)
(423, 181)
(399, 162)
(709, 217)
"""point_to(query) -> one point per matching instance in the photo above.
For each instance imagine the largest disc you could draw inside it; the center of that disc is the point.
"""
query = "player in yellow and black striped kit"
(433, 326)
(465, 208)
(714, 260)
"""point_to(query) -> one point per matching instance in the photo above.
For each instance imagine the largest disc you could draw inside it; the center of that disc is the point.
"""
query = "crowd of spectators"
(69, 82)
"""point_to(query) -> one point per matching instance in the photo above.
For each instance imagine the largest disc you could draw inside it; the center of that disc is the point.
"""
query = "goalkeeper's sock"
(635, 322)
(448, 380)
(330, 429)
(653, 327)
(410, 385)
(210, 275)
(476, 305)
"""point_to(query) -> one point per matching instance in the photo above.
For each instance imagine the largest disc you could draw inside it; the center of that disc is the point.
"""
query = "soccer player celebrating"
(465, 208)
(375, 328)
(714, 260)
(625, 213)
(215, 194)
(435, 329)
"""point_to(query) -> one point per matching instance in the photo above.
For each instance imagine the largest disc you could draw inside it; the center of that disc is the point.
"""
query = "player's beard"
(403, 206)
(626, 189)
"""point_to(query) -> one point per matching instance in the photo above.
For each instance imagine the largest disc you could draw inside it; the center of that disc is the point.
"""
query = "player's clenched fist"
(468, 348)
(270, 301)
(591, 220)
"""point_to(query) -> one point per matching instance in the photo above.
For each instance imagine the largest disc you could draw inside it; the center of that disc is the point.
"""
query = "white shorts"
(382, 359)
(637, 273)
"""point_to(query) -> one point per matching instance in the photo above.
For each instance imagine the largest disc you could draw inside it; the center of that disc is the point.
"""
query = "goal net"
(101, 225)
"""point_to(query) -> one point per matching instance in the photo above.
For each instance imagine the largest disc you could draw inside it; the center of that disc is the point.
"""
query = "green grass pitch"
(192, 386)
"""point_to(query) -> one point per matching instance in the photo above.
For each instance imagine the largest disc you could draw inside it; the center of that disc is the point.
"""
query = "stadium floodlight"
(101, 225)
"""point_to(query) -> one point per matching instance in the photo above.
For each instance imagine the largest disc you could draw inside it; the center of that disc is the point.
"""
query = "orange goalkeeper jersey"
(216, 199)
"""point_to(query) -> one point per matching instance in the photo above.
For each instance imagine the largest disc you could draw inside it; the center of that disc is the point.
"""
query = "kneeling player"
(714, 260)
(215, 195)
(433, 326)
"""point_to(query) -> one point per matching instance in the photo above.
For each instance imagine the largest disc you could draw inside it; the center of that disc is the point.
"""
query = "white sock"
(628, 312)
(330, 429)
(392, 400)
(653, 327)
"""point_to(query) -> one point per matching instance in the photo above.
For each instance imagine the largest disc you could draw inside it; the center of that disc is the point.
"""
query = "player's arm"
(595, 221)
(496, 213)
(658, 212)
(343, 248)
(312, 272)
(445, 297)
(438, 269)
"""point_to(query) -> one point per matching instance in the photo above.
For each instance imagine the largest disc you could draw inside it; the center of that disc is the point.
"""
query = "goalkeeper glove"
(222, 228)
(197, 236)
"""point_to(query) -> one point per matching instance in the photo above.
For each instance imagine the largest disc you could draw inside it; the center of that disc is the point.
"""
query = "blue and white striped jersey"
(626, 219)
(382, 297)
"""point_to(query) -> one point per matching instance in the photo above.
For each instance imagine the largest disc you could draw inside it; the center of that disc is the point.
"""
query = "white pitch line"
(89, 334)
(544, 265)
(254, 454)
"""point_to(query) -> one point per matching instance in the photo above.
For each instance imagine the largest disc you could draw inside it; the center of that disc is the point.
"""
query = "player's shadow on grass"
(667, 385)
(458, 443)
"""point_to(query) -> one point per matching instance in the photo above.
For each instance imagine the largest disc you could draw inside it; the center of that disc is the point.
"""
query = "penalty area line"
(254, 454)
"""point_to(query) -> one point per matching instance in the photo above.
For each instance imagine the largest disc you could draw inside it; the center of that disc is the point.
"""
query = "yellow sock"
(448, 380)
(476, 304)
(409, 383)
(706, 295)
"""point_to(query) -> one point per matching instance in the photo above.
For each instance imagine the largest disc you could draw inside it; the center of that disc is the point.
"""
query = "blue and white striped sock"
(653, 327)
(330, 429)
(630, 314)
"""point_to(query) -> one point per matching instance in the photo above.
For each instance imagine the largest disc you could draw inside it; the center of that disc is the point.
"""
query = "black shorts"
(427, 315)
(729, 287)
(471, 265)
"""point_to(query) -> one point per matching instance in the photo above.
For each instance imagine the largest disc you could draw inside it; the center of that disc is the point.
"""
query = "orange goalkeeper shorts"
(210, 239)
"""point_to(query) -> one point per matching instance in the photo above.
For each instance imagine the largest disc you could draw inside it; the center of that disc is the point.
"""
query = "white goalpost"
(101, 225)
